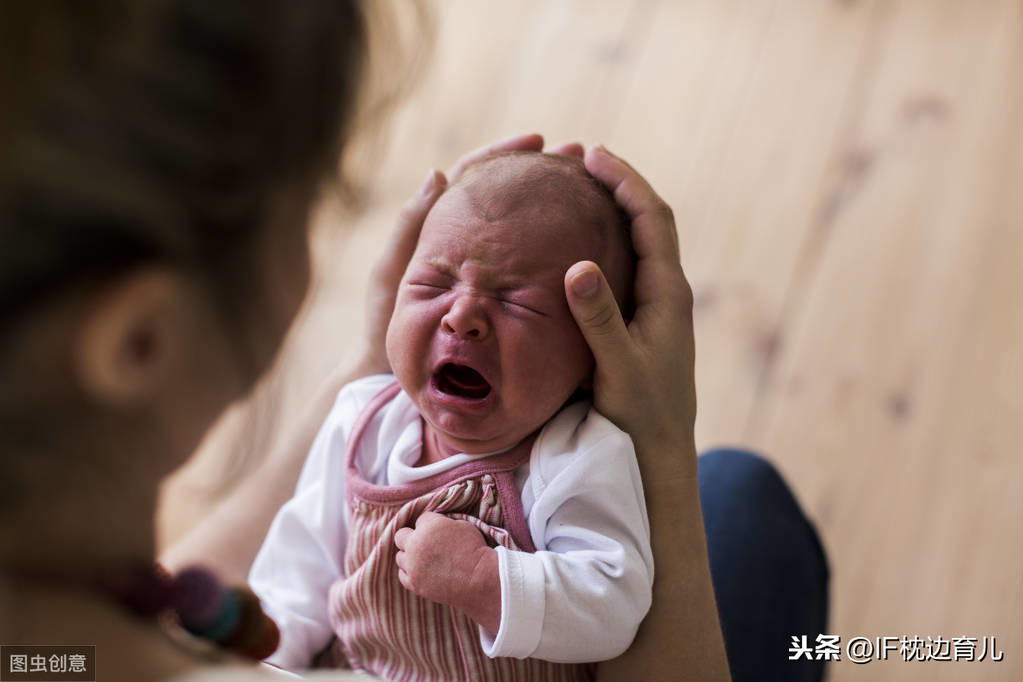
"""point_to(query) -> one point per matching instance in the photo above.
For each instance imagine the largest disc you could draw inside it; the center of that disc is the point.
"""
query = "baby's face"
(481, 337)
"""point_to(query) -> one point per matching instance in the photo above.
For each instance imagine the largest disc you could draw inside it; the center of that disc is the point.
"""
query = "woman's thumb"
(595, 311)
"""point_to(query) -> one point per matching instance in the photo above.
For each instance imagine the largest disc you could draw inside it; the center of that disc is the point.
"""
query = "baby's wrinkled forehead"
(578, 215)
(544, 185)
(502, 247)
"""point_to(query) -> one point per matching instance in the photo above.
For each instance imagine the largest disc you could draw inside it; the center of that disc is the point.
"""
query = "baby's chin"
(455, 436)
(472, 443)
(460, 429)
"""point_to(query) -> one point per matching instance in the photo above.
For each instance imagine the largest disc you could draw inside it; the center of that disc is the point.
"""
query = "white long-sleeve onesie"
(579, 598)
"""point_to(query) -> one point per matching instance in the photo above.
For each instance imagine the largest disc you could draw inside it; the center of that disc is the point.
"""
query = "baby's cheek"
(402, 340)
(561, 369)
(392, 342)
(572, 346)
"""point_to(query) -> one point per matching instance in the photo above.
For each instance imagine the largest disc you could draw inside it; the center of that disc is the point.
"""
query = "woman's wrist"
(684, 611)
(666, 454)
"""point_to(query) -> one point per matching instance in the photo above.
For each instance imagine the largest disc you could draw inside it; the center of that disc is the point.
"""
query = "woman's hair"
(157, 131)
(137, 132)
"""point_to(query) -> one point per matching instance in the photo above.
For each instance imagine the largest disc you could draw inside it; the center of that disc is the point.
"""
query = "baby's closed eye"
(523, 304)
(428, 286)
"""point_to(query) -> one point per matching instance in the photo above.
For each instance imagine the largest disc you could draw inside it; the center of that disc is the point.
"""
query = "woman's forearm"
(680, 638)
(228, 539)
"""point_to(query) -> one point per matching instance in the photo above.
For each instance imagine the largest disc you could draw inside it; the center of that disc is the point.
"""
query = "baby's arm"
(301, 555)
(447, 561)
(582, 597)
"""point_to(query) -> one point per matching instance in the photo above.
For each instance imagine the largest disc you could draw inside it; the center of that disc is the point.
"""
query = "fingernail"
(585, 284)
(431, 178)
(601, 148)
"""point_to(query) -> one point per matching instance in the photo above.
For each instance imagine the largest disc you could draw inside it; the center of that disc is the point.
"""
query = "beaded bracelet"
(229, 616)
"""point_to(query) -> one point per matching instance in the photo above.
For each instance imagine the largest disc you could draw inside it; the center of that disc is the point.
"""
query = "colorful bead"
(267, 642)
(232, 617)
(198, 596)
(225, 621)
(256, 636)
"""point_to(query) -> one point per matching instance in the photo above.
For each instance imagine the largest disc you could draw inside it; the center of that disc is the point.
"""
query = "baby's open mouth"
(462, 381)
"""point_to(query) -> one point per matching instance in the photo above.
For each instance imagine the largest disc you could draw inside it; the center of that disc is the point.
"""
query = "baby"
(470, 517)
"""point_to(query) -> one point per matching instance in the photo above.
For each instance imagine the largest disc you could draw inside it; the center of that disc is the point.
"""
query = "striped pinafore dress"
(383, 628)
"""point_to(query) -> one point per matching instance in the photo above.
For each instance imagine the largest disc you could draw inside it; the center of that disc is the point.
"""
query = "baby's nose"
(466, 319)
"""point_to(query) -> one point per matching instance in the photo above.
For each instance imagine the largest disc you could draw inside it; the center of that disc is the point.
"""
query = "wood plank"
(868, 406)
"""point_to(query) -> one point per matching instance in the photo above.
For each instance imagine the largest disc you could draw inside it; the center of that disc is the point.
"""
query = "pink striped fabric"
(383, 628)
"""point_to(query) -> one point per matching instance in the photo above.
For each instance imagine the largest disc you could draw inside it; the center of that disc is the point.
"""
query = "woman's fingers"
(654, 237)
(596, 312)
(532, 143)
(410, 221)
(519, 143)
(653, 224)
(643, 380)
(390, 267)
(567, 149)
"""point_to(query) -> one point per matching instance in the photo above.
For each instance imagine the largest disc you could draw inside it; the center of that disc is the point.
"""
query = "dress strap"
(501, 467)
(511, 505)
(385, 396)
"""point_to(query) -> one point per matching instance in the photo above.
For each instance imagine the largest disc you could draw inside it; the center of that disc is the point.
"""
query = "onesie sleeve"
(583, 594)
(303, 551)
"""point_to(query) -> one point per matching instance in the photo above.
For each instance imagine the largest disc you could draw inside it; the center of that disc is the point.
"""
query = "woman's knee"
(748, 487)
(769, 570)
(750, 511)
(741, 472)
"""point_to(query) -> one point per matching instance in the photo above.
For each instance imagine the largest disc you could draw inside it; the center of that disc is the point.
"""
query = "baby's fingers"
(405, 579)
(567, 149)
(401, 538)
(431, 519)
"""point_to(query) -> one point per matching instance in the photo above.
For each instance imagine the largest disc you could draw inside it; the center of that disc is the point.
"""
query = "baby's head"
(482, 338)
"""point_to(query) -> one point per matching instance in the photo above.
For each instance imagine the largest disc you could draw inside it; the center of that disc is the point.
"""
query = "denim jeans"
(768, 567)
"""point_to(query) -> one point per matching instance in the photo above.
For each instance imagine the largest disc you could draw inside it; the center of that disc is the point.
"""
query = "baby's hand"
(447, 561)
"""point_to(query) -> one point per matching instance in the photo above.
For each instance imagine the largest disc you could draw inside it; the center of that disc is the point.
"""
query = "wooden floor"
(848, 182)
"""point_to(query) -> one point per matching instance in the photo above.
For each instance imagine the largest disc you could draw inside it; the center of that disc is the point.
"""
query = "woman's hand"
(644, 377)
(390, 266)
(644, 383)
